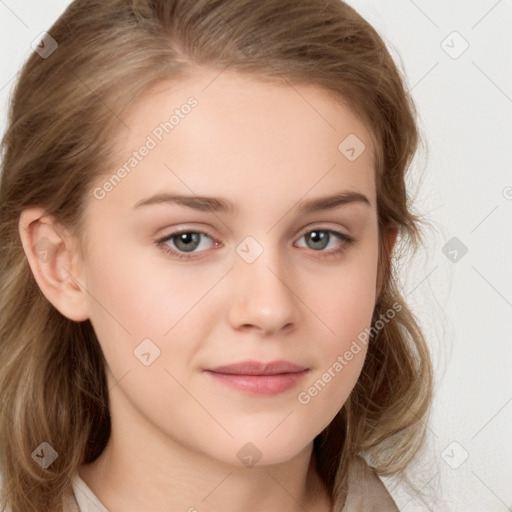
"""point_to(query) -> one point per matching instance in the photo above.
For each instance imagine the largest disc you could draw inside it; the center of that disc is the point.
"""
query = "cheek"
(132, 300)
(345, 302)
(135, 284)
(345, 299)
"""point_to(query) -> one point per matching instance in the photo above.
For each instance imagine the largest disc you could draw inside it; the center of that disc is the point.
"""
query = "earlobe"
(54, 262)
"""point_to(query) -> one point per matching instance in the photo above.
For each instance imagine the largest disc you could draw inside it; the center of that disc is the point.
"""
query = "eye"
(186, 244)
(181, 242)
(320, 239)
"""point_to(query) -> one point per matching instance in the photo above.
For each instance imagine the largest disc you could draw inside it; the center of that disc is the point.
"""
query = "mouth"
(258, 378)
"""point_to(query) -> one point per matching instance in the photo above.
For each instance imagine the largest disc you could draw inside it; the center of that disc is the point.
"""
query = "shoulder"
(366, 492)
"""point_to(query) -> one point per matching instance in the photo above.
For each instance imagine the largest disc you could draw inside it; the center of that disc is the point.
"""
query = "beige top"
(366, 493)
(84, 499)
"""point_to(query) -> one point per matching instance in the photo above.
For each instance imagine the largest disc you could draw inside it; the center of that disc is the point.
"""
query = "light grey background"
(465, 190)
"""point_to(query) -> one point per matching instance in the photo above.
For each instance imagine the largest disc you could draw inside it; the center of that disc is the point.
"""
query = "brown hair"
(63, 113)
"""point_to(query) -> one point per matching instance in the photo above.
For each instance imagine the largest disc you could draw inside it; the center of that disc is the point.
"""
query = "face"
(227, 315)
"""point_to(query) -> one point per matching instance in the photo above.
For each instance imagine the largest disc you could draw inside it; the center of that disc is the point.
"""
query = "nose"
(264, 299)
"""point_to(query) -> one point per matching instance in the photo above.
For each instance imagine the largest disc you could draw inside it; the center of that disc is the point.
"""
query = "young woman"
(200, 209)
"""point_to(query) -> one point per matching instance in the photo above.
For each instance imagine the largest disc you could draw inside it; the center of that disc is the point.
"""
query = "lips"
(259, 378)
(257, 368)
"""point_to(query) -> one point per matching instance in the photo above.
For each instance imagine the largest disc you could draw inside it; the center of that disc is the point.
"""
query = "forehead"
(222, 133)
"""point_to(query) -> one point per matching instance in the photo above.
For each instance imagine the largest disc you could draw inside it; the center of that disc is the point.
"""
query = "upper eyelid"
(320, 226)
(205, 232)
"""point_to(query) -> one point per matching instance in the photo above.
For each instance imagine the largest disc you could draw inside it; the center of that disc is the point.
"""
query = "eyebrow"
(220, 204)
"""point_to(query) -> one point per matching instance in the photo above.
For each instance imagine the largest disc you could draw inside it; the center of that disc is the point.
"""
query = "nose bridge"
(263, 298)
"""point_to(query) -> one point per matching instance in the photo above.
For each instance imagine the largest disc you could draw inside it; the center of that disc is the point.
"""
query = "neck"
(162, 475)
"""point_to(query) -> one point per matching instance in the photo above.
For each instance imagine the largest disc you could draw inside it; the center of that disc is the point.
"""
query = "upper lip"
(258, 368)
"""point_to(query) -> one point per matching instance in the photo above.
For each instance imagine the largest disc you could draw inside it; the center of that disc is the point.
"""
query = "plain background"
(464, 188)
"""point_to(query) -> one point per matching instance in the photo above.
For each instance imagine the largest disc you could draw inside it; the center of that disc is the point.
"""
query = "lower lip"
(260, 384)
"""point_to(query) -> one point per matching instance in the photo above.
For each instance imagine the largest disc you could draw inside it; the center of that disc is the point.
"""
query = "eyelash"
(161, 243)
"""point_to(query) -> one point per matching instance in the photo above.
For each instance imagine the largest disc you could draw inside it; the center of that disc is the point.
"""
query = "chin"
(260, 452)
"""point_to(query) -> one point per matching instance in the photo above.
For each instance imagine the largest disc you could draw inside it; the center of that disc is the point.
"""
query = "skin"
(175, 429)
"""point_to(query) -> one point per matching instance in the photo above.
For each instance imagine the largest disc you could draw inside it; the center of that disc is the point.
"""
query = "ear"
(54, 262)
(386, 245)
